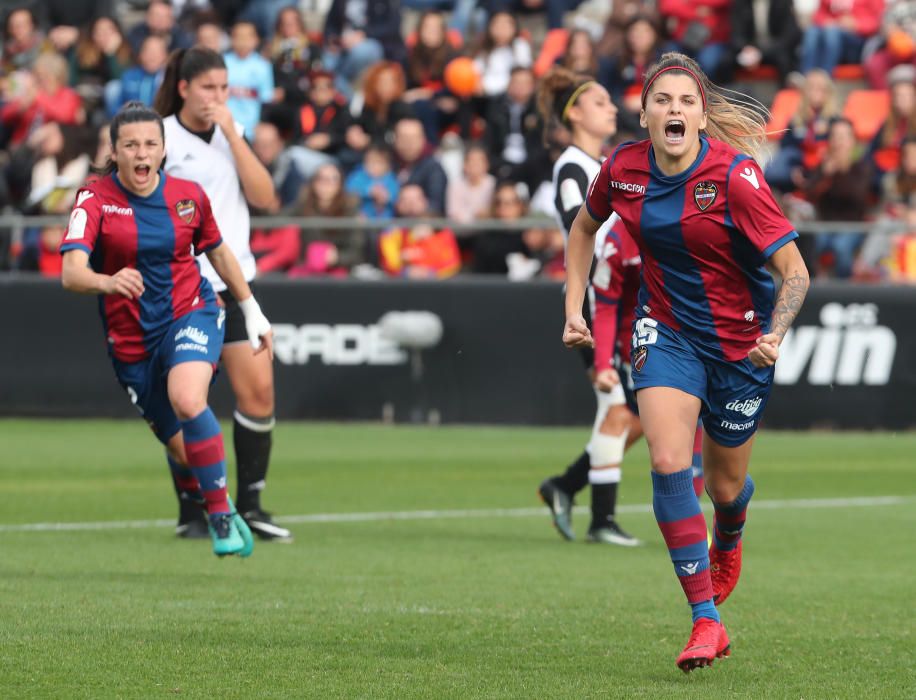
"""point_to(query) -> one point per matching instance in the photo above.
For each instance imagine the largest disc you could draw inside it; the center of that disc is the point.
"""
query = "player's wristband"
(250, 307)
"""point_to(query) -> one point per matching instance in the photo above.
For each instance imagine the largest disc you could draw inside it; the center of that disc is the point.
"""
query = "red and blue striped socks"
(186, 485)
(684, 529)
(730, 517)
(203, 446)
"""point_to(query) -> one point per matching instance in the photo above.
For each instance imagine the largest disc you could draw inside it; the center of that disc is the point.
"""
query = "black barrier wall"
(848, 362)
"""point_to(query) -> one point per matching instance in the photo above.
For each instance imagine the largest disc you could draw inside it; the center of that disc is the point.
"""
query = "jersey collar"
(680, 177)
(151, 195)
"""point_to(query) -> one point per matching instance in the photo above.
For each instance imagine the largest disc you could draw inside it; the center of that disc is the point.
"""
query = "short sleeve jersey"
(158, 235)
(212, 164)
(704, 236)
(615, 282)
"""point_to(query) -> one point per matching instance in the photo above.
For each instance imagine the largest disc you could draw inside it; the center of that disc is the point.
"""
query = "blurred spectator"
(142, 81)
(159, 20)
(514, 134)
(884, 151)
(293, 57)
(767, 35)
(251, 78)
(701, 29)
(839, 189)
(622, 12)
(209, 33)
(22, 41)
(327, 250)
(581, 54)
(838, 32)
(374, 184)
(426, 61)
(895, 44)
(900, 187)
(99, 57)
(324, 118)
(34, 100)
(502, 49)
(544, 256)
(416, 164)
(470, 197)
(642, 46)
(383, 87)
(66, 18)
(419, 250)
(270, 149)
(358, 33)
(263, 13)
(553, 9)
(803, 144)
(490, 249)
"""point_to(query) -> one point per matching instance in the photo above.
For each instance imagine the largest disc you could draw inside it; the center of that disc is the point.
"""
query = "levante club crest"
(186, 209)
(639, 357)
(704, 194)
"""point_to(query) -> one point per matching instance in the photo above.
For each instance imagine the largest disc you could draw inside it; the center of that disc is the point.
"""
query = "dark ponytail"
(560, 89)
(183, 64)
(130, 113)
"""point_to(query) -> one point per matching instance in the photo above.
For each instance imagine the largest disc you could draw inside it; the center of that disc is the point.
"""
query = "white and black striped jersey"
(572, 174)
(212, 165)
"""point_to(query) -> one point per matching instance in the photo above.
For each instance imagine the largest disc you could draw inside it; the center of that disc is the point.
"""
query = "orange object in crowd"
(435, 254)
(462, 77)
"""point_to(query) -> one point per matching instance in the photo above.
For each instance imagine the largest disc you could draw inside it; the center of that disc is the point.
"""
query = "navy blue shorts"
(625, 372)
(195, 337)
(734, 394)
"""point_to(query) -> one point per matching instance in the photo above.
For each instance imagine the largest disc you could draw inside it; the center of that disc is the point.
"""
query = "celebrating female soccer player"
(584, 107)
(130, 240)
(707, 330)
(206, 145)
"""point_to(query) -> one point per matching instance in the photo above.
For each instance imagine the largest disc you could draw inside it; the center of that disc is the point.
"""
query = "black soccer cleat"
(560, 504)
(611, 533)
(262, 524)
(194, 529)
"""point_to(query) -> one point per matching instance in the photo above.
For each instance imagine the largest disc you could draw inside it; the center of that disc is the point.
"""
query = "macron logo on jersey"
(628, 187)
(750, 175)
(114, 209)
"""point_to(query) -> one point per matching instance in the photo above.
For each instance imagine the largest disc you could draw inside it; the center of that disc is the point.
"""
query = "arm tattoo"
(789, 300)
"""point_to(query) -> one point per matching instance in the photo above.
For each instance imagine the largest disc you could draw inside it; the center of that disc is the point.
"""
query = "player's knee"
(723, 488)
(257, 399)
(616, 420)
(667, 460)
(187, 404)
(604, 450)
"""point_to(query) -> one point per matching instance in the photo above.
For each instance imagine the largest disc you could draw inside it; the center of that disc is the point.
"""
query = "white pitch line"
(864, 502)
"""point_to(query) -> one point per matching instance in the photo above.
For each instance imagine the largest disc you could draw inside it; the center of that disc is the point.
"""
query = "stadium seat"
(867, 110)
(849, 71)
(785, 104)
(553, 47)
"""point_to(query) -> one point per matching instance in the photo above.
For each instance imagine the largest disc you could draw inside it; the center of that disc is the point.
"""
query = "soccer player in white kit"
(205, 144)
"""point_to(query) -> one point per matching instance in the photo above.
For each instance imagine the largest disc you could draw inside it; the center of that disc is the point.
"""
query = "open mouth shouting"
(674, 132)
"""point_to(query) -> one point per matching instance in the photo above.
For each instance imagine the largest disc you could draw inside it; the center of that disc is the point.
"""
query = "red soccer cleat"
(724, 569)
(708, 642)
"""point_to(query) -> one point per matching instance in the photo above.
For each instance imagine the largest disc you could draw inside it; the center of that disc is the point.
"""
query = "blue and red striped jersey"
(704, 236)
(158, 235)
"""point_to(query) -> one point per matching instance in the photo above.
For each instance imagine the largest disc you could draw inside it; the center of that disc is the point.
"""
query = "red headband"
(645, 90)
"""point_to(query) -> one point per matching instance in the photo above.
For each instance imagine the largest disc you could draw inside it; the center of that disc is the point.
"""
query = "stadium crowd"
(349, 105)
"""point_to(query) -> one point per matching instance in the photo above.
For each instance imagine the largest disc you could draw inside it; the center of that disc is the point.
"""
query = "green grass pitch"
(451, 605)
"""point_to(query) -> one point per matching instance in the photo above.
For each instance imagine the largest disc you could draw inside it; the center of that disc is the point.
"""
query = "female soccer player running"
(585, 108)
(206, 145)
(130, 240)
(707, 330)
